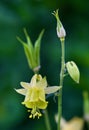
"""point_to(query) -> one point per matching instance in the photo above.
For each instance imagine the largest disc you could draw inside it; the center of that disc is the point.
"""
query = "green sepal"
(73, 71)
(31, 48)
(32, 52)
(28, 53)
(28, 41)
(37, 48)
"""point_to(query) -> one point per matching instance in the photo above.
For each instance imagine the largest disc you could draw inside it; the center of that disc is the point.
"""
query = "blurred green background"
(36, 15)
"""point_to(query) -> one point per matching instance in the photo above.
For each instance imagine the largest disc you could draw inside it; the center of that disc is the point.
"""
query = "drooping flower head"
(34, 93)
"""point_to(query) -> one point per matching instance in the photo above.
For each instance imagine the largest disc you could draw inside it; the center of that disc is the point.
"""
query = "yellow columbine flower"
(34, 93)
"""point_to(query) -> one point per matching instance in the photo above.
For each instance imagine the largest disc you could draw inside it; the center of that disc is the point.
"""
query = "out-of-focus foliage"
(36, 15)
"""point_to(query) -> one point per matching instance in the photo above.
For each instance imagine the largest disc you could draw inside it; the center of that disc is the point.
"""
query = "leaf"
(73, 71)
(52, 89)
(37, 48)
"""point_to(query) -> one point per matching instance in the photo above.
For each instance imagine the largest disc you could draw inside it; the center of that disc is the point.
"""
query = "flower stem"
(47, 122)
(61, 82)
(48, 127)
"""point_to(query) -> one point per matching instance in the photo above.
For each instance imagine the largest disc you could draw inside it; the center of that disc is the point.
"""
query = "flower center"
(35, 112)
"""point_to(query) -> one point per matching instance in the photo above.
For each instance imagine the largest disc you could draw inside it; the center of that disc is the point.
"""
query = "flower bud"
(60, 29)
(61, 33)
(73, 71)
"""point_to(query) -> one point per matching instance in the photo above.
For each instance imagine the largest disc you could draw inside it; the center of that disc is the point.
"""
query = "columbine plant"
(35, 92)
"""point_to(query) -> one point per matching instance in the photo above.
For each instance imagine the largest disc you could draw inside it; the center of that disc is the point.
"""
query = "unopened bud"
(60, 29)
(73, 71)
(61, 33)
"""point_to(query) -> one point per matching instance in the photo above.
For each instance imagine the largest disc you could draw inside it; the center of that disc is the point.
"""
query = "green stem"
(48, 127)
(61, 82)
(47, 122)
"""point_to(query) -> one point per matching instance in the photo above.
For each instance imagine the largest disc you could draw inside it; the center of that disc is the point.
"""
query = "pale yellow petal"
(28, 94)
(21, 91)
(25, 85)
(42, 95)
(53, 89)
(41, 104)
(28, 104)
(34, 96)
(42, 83)
(33, 80)
(39, 77)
